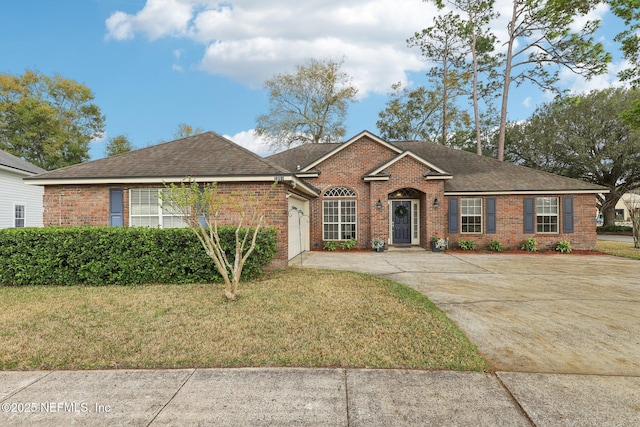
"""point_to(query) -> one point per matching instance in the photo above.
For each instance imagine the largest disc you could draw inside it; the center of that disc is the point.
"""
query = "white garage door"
(298, 225)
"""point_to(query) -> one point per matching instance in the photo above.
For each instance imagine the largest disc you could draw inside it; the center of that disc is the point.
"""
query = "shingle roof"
(473, 173)
(204, 155)
(13, 162)
(302, 155)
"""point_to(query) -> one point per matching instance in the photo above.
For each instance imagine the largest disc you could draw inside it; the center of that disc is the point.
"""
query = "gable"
(351, 162)
(419, 165)
(358, 139)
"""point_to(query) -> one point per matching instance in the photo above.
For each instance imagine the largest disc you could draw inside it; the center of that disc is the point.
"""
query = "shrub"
(118, 256)
(530, 245)
(613, 228)
(495, 246)
(467, 245)
(330, 246)
(349, 244)
(563, 246)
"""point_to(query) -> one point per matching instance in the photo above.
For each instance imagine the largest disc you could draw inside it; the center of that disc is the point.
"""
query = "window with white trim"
(19, 216)
(146, 210)
(547, 214)
(339, 214)
(471, 214)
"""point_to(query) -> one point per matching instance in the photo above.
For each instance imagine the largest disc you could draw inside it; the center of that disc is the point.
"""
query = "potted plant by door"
(377, 244)
(438, 243)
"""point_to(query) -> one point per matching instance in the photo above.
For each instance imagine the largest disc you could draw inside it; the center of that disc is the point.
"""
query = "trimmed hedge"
(613, 229)
(118, 256)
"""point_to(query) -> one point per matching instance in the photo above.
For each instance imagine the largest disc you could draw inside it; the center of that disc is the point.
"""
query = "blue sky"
(153, 64)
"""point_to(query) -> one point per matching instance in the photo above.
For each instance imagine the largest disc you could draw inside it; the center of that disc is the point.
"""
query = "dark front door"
(401, 222)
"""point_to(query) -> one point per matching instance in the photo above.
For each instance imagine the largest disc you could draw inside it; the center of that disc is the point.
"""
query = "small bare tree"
(205, 209)
(632, 202)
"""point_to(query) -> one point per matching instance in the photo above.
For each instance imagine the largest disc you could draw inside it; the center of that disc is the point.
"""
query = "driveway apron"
(538, 313)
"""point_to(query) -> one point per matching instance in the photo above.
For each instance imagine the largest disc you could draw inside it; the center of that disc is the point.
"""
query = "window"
(547, 214)
(146, 210)
(619, 214)
(19, 216)
(471, 215)
(339, 215)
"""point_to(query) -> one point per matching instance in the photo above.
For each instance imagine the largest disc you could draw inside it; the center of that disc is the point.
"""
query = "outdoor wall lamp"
(436, 202)
(379, 204)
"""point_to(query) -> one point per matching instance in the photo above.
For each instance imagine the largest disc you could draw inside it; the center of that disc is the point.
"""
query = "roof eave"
(17, 170)
(525, 192)
(157, 179)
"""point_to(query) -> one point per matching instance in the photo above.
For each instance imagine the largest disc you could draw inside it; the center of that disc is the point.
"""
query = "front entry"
(401, 211)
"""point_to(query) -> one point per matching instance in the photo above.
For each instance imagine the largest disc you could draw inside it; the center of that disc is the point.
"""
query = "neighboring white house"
(622, 212)
(20, 204)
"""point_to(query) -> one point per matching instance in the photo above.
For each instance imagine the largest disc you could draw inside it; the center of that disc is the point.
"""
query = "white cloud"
(251, 142)
(251, 40)
(579, 85)
(527, 102)
(595, 14)
(158, 18)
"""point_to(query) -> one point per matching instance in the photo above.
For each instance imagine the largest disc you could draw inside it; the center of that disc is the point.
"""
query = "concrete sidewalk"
(313, 397)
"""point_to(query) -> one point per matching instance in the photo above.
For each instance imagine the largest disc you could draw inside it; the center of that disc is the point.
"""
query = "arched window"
(339, 192)
(339, 214)
(405, 193)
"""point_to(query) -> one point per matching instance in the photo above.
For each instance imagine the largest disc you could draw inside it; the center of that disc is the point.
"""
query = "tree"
(480, 45)
(416, 115)
(48, 121)
(629, 12)
(584, 138)
(631, 116)
(185, 130)
(308, 106)
(205, 208)
(445, 44)
(540, 41)
(632, 203)
(118, 145)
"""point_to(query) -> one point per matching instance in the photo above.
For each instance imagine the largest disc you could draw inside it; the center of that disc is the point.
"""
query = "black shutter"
(529, 215)
(116, 207)
(490, 215)
(567, 214)
(453, 215)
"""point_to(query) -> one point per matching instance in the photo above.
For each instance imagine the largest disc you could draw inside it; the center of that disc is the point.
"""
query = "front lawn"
(621, 249)
(287, 318)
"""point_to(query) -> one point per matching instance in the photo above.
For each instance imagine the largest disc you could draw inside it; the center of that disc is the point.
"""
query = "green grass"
(621, 249)
(289, 318)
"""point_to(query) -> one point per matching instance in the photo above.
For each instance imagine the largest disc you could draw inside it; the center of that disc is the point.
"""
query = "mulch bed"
(523, 252)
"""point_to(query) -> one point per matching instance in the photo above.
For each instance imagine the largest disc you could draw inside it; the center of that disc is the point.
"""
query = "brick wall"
(361, 157)
(347, 169)
(510, 224)
(88, 205)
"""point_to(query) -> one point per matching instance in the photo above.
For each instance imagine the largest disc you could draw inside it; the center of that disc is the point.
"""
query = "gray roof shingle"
(13, 162)
(204, 155)
(473, 173)
(302, 155)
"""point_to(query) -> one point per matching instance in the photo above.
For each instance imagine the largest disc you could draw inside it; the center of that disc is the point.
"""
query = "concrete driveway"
(560, 313)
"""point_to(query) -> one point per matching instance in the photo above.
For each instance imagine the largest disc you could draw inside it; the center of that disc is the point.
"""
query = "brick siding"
(510, 224)
(88, 205)
(347, 168)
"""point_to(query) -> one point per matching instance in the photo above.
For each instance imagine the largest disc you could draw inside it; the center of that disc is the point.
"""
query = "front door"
(401, 211)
